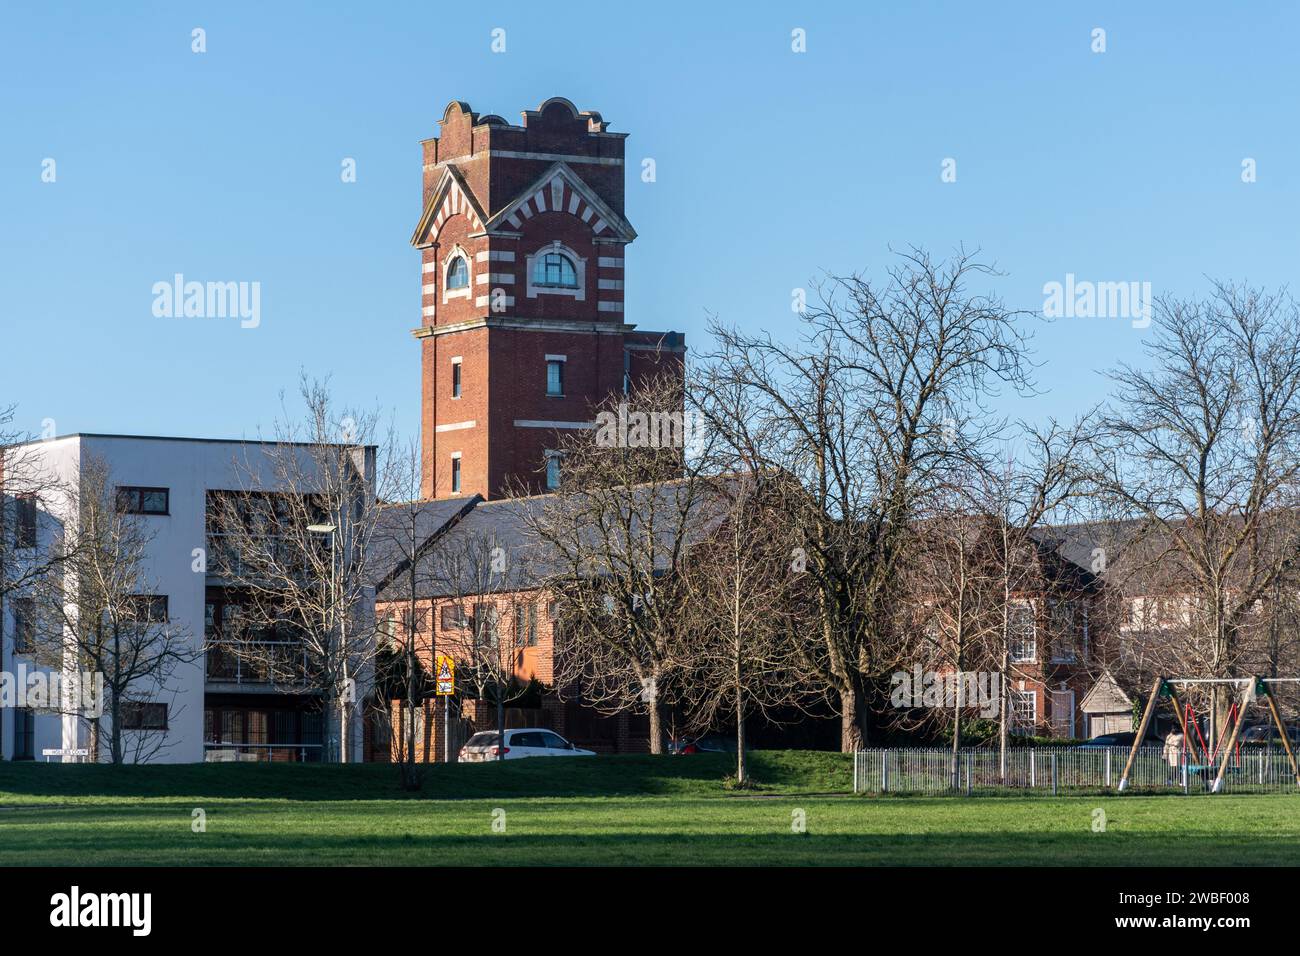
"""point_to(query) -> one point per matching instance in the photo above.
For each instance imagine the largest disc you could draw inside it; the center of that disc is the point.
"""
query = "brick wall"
(503, 326)
(622, 733)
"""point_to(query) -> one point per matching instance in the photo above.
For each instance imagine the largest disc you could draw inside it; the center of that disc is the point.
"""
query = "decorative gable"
(450, 197)
(560, 189)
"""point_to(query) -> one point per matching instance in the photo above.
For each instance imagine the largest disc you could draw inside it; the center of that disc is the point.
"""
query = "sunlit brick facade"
(522, 245)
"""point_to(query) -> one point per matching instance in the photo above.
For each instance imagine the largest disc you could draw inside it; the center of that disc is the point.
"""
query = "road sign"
(446, 676)
(49, 752)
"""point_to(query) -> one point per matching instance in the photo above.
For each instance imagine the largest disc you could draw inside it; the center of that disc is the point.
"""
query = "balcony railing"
(227, 563)
(262, 663)
(261, 753)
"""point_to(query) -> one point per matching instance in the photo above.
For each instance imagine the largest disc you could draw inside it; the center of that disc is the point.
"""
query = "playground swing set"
(1252, 689)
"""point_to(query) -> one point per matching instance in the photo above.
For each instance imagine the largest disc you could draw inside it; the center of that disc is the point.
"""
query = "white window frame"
(578, 294)
(457, 377)
(464, 292)
(561, 361)
(1022, 703)
(1015, 648)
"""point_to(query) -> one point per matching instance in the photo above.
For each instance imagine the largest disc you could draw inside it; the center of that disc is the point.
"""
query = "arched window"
(554, 270)
(458, 273)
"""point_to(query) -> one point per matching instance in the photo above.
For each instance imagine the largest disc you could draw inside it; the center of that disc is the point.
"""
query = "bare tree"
(297, 557)
(101, 615)
(740, 657)
(616, 536)
(1202, 451)
(403, 555)
(868, 410)
(1042, 479)
(27, 489)
(476, 573)
(953, 594)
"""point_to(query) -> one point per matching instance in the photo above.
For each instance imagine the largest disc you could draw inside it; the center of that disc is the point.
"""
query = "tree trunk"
(501, 723)
(851, 737)
(115, 739)
(656, 732)
(1004, 695)
(742, 769)
(1002, 721)
(410, 779)
(345, 730)
(956, 734)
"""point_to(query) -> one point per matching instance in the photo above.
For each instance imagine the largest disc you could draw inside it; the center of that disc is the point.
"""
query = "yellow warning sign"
(446, 671)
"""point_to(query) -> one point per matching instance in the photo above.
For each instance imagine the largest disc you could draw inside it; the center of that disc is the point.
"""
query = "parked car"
(522, 742)
(1105, 741)
(706, 744)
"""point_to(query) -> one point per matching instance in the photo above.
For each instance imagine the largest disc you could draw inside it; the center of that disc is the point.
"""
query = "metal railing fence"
(1061, 770)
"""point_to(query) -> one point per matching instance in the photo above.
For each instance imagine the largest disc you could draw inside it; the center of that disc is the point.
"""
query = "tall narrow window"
(554, 377)
(455, 473)
(25, 532)
(458, 273)
(24, 734)
(552, 470)
(1063, 620)
(24, 624)
(485, 625)
(525, 614)
(1023, 633)
(455, 379)
(1024, 711)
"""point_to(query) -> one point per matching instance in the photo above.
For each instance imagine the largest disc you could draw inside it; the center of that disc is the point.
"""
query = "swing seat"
(1198, 769)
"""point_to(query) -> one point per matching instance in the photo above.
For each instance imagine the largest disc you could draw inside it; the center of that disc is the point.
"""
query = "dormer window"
(458, 274)
(555, 270)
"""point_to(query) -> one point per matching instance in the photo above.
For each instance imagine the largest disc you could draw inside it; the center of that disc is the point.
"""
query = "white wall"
(189, 469)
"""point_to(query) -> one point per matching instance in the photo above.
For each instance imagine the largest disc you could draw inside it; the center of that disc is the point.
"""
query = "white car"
(520, 743)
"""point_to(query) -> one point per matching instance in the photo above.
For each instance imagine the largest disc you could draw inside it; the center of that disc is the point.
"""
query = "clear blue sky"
(772, 166)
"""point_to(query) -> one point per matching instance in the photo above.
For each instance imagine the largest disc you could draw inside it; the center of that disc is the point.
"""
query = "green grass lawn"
(606, 810)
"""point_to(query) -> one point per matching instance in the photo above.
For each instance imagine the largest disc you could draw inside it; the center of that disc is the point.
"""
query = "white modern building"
(215, 706)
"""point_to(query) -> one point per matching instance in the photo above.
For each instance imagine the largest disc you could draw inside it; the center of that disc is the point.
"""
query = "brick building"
(523, 247)
(474, 589)
(522, 243)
